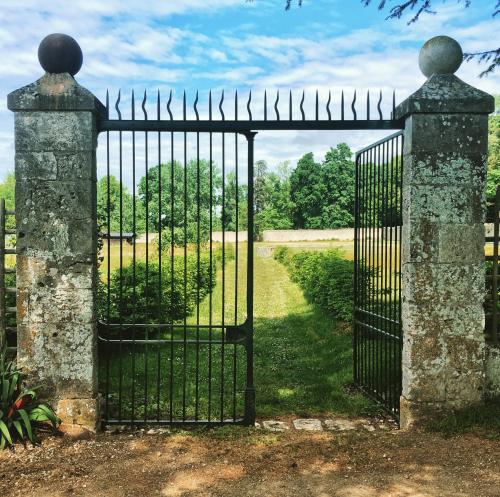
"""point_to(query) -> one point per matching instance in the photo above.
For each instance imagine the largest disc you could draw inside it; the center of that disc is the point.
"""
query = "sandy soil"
(254, 463)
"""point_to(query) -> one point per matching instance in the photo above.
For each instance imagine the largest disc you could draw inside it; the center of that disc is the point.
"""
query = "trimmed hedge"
(325, 277)
(138, 295)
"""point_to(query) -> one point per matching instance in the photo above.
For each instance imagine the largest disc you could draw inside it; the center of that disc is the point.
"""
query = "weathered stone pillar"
(446, 123)
(55, 139)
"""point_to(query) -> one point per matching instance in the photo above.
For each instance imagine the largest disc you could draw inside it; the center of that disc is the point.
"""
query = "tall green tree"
(323, 193)
(307, 193)
(121, 212)
(276, 206)
(235, 204)
(193, 195)
(259, 186)
(338, 175)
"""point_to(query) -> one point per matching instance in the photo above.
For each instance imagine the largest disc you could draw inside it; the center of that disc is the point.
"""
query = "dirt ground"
(243, 462)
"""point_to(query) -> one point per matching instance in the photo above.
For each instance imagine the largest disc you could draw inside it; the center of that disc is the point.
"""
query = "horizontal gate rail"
(246, 126)
(377, 326)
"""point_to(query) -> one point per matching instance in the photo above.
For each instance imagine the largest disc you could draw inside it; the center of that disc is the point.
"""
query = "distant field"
(127, 250)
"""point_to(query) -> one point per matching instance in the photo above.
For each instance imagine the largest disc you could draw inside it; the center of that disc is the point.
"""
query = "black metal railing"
(377, 313)
(245, 115)
(8, 308)
(492, 331)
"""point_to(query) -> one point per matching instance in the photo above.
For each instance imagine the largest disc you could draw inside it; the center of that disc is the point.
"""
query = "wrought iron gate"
(176, 310)
(377, 314)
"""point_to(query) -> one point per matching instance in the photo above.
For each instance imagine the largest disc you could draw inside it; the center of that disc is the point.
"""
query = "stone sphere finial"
(60, 53)
(440, 55)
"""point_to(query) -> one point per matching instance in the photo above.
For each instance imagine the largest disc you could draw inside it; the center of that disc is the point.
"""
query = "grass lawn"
(302, 357)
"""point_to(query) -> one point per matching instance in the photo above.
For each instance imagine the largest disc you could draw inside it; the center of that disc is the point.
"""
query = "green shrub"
(138, 295)
(326, 278)
(280, 253)
(20, 412)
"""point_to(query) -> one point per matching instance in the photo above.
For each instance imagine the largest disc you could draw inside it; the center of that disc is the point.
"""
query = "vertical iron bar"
(120, 350)
(210, 298)
(373, 322)
(172, 274)
(184, 348)
(356, 269)
(197, 360)
(108, 282)
(250, 390)
(235, 258)
(223, 331)
(146, 276)
(159, 333)
(364, 248)
(392, 398)
(379, 271)
(134, 255)
(384, 286)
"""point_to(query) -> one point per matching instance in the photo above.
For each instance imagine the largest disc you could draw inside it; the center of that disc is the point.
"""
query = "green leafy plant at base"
(20, 412)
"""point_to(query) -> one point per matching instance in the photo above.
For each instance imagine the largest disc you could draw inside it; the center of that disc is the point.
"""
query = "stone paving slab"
(307, 424)
(272, 425)
(340, 424)
(332, 424)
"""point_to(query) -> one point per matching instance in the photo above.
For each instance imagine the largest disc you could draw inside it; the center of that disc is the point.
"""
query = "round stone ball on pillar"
(440, 55)
(59, 53)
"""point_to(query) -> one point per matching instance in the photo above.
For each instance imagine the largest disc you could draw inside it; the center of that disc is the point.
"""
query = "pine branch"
(490, 56)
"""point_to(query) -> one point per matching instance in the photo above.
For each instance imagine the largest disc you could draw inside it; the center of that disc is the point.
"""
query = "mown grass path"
(303, 356)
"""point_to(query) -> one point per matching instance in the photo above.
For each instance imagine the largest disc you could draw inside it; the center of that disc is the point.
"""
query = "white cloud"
(143, 44)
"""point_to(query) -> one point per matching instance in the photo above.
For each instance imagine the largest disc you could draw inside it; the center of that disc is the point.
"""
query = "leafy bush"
(280, 253)
(137, 294)
(20, 412)
(326, 278)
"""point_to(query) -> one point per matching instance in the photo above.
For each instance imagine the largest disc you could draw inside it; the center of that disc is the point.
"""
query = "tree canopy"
(323, 193)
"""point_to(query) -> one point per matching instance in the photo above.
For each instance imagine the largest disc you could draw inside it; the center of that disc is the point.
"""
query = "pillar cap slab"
(55, 92)
(446, 94)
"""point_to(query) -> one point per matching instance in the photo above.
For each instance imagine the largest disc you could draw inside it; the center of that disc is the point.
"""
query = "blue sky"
(231, 44)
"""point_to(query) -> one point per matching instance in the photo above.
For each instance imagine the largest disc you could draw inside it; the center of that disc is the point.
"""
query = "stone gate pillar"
(445, 147)
(55, 170)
